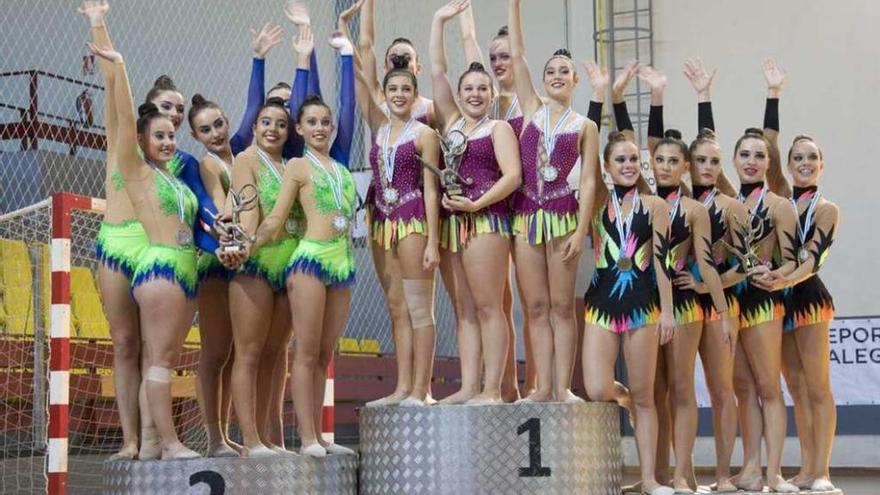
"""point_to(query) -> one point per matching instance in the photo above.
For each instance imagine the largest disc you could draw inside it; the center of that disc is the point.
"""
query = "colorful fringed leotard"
(686, 302)
(720, 257)
(623, 294)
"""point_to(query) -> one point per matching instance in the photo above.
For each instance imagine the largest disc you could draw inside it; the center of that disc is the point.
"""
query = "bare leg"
(562, 277)
(467, 326)
(251, 302)
(532, 277)
(664, 415)
(166, 316)
(510, 382)
(683, 400)
(125, 331)
(273, 370)
(751, 422)
(763, 348)
(388, 270)
(485, 259)
(410, 251)
(718, 366)
(307, 302)
(793, 372)
(336, 309)
(814, 347)
(215, 334)
(640, 352)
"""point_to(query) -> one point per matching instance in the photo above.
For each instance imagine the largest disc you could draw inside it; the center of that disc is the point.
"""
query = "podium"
(508, 448)
(335, 475)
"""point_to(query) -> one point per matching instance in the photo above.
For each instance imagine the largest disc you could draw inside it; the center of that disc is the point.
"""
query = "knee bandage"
(419, 296)
(158, 374)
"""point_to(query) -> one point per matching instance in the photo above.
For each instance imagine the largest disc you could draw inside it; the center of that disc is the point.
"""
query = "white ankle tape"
(158, 374)
(419, 296)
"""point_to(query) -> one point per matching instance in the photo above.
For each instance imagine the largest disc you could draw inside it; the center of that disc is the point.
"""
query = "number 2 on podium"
(535, 469)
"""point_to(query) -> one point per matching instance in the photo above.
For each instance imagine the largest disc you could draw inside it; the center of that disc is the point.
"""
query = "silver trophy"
(453, 147)
(231, 233)
(745, 239)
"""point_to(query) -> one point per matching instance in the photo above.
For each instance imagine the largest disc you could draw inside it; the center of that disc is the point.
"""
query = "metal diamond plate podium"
(511, 448)
(233, 476)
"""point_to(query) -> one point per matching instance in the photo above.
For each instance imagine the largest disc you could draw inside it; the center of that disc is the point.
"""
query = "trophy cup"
(231, 231)
(746, 235)
(453, 147)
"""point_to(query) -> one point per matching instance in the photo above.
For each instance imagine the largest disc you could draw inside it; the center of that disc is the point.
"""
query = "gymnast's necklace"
(183, 237)
(548, 172)
(340, 221)
(624, 227)
(802, 229)
(389, 153)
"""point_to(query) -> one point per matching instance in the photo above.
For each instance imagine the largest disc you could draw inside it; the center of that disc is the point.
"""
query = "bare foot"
(749, 483)
(725, 485)
(778, 484)
(681, 486)
(151, 446)
(391, 400)
(485, 400)
(178, 451)
(537, 396)
(568, 397)
(128, 452)
(459, 397)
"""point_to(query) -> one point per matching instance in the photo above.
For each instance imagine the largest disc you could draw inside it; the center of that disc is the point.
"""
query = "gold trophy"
(746, 235)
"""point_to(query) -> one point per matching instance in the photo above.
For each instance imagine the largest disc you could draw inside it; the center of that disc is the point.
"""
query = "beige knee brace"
(419, 296)
(158, 374)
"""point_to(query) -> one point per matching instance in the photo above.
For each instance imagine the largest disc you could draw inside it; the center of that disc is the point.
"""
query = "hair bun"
(672, 134)
(279, 102)
(754, 131)
(476, 66)
(400, 60)
(706, 133)
(562, 52)
(198, 100)
(165, 83)
(147, 109)
(617, 136)
(503, 31)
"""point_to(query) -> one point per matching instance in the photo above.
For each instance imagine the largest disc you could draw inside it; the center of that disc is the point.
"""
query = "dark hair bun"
(562, 52)
(754, 131)
(503, 31)
(672, 134)
(165, 83)
(198, 100)
(277, 102)
(617, 136)
(476, 67)
(147, 109)
(706, 133)
(400, 61)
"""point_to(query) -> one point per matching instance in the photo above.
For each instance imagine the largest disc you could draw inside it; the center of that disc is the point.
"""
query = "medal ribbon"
(623, 226)
(267, 161)
(551, 137)
(676, 205)
(808, 219)
(178, 191)
(754, 209)
(222, 162)
(335, 184)
(707, 201)
(389, 153)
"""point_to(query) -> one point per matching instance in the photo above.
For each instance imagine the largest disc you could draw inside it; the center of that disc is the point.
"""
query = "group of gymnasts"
(693, 266)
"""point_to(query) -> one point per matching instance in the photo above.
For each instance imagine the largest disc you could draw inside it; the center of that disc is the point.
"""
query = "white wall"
(829, 50)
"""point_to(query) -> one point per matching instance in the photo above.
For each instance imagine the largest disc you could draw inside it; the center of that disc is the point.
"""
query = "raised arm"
(368, 105)
(95, 12)
(775, 78)
(656, 80)
(261, 42)
(472, 52)
(445, 106)
(529, 99)
(303, 46)
(341, 148)
(618, 99)
(342, 26)
(599, 82)
(701, 80)
(367, 47)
